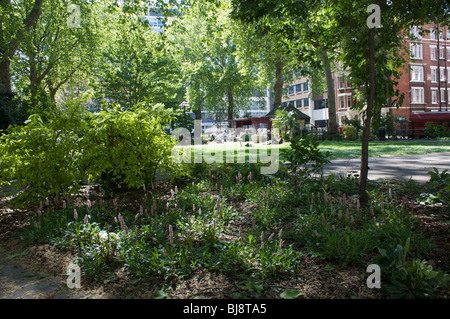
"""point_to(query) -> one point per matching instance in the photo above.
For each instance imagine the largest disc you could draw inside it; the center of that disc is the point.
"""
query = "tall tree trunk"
(278, 86)
(198, 113)
(332, 122)
(364, 170)
(10, 47)
(230, 99)
(5, 75)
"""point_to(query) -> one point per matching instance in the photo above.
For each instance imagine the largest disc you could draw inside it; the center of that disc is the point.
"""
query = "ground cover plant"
(196, 224)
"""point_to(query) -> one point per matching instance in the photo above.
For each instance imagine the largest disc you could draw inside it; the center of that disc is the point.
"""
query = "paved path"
(17, 282)
(402, 167)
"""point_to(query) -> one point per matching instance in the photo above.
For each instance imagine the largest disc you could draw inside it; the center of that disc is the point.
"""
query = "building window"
(291, 90)
(441, 53)
(442, 95)
(415, 32)
(433, 74)
(299, 103)
(432, 52)
(305, 87)
(434, 96)
(442, 74)
(340, 82)
(321, 104)
(306, 102)
(298, 88)
(417, 73)
(441, 35)
(417, 96)
(416, 50)
(448, 53)
(448, 34)
(349, 101)
(341, 102)
(432, 34)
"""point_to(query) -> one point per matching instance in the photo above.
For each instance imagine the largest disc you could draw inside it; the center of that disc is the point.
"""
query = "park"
(156, 169)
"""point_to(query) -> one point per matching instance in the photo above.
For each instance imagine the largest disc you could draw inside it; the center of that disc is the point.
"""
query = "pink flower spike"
(271, 236)
(262, 235)
(280, 234)
(141, 209)
(323, 221)
(241, 234)
(85, 219)
(193, 207)
(170, 234)
(144, 188)
(75, 214)
(316, 233)
(35, 225)
(64, 204)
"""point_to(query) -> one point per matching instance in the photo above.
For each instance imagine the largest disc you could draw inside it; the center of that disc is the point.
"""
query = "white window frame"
(349, 101)
(341, 102)
(417, 95)
(416, 50)
(442, 94)
(433, 70)
(442, 74)
(441, 53)
(433, 52)
(434, 96)
(448, 53)
(417, 73)
(432, 34)
(415, 32)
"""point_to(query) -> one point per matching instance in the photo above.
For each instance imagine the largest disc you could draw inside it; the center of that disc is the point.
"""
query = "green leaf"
(291, 294)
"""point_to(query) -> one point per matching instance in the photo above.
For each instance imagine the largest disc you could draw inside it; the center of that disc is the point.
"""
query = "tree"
(203, 41)
(51, 53)
(304, 30)
(13, 28)
(372, 53)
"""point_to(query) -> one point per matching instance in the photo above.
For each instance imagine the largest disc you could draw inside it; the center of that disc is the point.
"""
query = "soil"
(39, 272)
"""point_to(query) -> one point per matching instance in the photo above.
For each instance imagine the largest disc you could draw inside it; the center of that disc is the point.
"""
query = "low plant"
(409, 278)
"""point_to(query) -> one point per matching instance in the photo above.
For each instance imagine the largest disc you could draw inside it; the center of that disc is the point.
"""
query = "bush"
(349, 132)
(116, 148)
(126, 148)
(42, 157)
(435, 130)
(305, 156)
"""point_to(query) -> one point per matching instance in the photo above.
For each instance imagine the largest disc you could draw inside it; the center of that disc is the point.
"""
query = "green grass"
(338, 149)
(352, 149)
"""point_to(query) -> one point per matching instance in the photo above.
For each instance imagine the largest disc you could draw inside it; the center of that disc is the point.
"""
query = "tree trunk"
(332, 122)
(5, 75)
(278, 86)
(10, 47)
(230, 106)
(198, 113)
(363, 196)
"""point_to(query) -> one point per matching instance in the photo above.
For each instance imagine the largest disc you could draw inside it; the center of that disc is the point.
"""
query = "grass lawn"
(338, 149)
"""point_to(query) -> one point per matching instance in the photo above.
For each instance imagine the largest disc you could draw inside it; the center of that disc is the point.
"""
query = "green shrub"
(436, 130)
(126, 148)
(350, 132)
(305, 156)
(42, 157)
